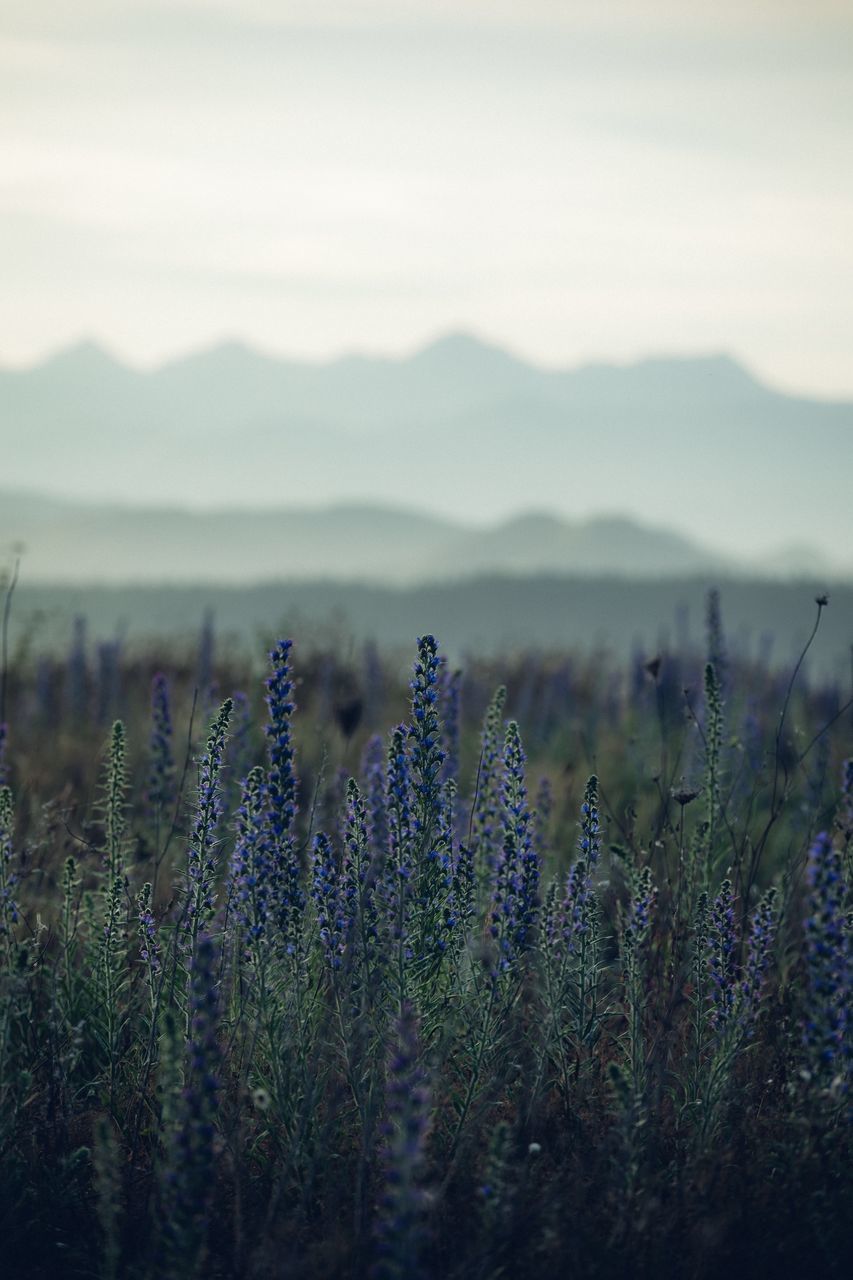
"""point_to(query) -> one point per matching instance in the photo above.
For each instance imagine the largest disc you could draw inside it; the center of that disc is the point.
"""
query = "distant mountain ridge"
(65, 542)
(462, 428)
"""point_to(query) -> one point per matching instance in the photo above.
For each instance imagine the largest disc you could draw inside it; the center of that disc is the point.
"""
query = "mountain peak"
(462, 349)
(85, 358)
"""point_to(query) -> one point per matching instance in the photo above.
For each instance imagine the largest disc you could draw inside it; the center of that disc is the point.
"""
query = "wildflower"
(288, 895)
(577, 906)
(373, 772)
(201, 856)
(828, 962)
(399, 1227)
(358, 887)
(722, 952)
(190, 1164)
(761, 934)
(252, 862)
(485, 823)
(9, 913)
(515, 898)
(326, 894)
(450, 687)
(150, 948)
(425, 733)
(161, 767)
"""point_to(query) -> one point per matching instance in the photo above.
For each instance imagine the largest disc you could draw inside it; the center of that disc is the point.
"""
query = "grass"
(546, 981)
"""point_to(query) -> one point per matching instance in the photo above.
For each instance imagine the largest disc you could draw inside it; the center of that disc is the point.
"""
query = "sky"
(605, 180)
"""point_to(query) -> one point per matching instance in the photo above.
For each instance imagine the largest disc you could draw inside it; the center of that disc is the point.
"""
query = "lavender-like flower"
(239, 755)
(722, 956)
(201, 856)
(326, 892)
(191, 1162)
(846, 805)
(828, 963)
(398, 884)
(282, 777)
(9, 913)
(358, 889)
(252, 863)
(425, 733)
(149, 950)
(373, 771)
(450, 686)
(759, 951)
(288, 894)
(578, 904)
(485, 823)
(638, 919)
(161, 765)
(515, 898)
(399, 1227)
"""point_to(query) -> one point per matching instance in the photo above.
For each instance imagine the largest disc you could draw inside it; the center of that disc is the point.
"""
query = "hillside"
(460, 428)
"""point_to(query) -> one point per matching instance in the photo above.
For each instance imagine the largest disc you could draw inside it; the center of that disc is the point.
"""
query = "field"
(536, 968)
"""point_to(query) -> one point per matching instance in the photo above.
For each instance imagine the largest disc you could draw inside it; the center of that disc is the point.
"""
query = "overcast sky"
(597, 180)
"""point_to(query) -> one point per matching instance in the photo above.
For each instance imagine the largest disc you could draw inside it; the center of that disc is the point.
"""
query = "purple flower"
(288, 894)
(161, 766)
(9, 913)
(252, 861)
(202, 853)
(425, 734)
(828, 963)
(759, 951)
(399, 1225)
(191, 1161)
(485, 824)
(326, 892)
(722, 944)
(515, 896)
(373, 772)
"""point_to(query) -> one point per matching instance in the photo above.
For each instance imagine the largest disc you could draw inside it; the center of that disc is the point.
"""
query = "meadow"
(314, 968)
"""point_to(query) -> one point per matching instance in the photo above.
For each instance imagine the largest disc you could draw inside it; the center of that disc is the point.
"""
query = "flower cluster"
(399, 866)
(326, 894)
(485, 823)
(425, 733)
(638, 918)
(191, 1160)
(373, 772)
(149, 946)
(8, 906)
(762, 932)
(828, 963)
(450, 685)
(722, 944)
(252, 863)
(515, 897)
(577, 901)
(201, 855)
(288, 895)
(399, 1226)
(358, 889)
(161, 764)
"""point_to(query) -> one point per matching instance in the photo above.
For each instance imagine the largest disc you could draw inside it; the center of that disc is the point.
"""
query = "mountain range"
(62, 541)
(273, 455)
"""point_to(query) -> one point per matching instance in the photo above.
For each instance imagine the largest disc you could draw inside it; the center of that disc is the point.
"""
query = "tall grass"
(332, 1018)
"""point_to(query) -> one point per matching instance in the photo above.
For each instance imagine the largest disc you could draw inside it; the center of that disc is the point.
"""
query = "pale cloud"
(600, 179)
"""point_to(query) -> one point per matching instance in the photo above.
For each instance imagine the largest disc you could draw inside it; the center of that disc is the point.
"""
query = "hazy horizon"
(354, 350)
